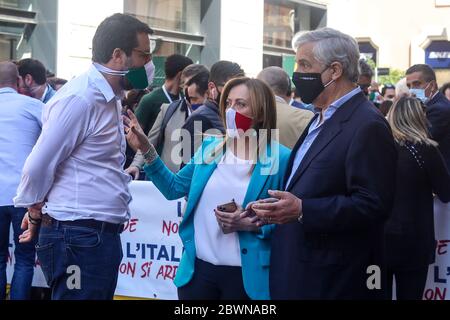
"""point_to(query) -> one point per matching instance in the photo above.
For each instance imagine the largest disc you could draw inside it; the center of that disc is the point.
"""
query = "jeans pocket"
(45, 258)
(82, 238)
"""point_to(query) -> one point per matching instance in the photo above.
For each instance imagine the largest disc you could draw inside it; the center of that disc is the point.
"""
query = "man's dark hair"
(175, 64)
(387, 87)
(223, 71)
(53, 82)
(427, 72)
(33, 67)
(365, 69)
(117, 31)
(193, 70)
(445, 87)
(201, 80)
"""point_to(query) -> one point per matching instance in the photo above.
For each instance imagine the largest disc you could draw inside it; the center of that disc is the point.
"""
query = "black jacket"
(421, 171)
(205, 118)
(346, 181)
(438, 114)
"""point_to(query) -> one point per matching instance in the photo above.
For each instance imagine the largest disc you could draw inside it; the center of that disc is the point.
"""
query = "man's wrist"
(300, 215)
(34, 220)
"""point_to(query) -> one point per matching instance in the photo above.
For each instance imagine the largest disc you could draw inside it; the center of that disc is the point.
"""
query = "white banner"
(152, 249)
(151, 246)
(438, 282)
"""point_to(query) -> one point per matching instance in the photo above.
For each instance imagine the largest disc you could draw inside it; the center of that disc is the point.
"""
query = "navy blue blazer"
(438, 114)
(346, 181)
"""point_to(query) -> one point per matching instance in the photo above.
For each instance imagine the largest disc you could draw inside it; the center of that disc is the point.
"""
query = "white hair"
(332, 46)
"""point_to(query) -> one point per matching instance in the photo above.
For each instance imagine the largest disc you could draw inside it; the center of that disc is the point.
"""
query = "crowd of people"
(295, 186)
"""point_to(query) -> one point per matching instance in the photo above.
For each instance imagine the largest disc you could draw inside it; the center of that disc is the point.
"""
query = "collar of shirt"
(7, 90)
(100, 82)
(336, 105)
(45, 93)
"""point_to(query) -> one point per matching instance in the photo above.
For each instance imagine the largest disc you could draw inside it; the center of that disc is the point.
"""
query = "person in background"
(207, 117)
(421, 172)
(445, 90)
(20, 127)
(385, 107)
(388, 92)
(150, 105)
(401, 89)
(365, 77)
(34, 80)
(171, 118)
(56, 83)
(226, 255)
(290, 121)
(421, 81)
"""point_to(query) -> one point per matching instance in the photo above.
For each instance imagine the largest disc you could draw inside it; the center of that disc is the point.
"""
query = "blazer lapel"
(330, 130)
(295, 150)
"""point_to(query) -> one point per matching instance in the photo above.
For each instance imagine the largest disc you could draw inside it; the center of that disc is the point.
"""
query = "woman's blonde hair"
(408, 122)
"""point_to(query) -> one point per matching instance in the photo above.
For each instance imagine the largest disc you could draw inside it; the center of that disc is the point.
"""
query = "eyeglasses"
(146, 54)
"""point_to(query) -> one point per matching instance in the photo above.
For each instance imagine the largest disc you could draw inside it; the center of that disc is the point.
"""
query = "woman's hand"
(239, 220)
(136, 137)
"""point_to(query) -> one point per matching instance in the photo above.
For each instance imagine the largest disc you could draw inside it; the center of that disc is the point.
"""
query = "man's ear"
(337, 70)
(117, 56)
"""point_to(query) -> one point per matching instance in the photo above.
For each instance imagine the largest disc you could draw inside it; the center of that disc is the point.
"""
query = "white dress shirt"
(229, 181)
(20, 127)
(76, 165)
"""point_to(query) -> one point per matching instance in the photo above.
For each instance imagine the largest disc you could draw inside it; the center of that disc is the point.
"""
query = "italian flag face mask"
(237, 121)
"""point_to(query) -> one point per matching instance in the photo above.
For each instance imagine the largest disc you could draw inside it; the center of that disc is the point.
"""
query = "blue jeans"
(79, 263)
(24, 254)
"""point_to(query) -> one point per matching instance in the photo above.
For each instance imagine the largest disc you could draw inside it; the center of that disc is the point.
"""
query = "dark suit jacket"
(410, 240)
(438, 114)
(346, 182)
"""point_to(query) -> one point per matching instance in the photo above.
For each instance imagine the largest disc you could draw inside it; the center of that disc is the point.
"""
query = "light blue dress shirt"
(20, 127)
(316, 128)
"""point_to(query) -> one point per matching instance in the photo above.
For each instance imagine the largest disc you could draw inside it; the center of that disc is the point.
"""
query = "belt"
(101, 226)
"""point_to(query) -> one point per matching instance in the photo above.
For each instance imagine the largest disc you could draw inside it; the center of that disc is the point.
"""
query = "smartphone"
(228, 207)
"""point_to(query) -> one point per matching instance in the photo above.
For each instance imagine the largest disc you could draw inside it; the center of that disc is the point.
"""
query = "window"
(278, 25)
(174, 15)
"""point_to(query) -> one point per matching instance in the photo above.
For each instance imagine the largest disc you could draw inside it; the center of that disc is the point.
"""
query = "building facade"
(254, 33)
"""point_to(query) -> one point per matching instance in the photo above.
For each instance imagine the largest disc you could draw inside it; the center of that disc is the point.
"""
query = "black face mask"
(309, 85)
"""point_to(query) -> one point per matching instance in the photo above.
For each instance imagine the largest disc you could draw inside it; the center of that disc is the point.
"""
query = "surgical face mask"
(309, 85)
(236, 121)
(134, 78)
(420, 93)
(150, 70)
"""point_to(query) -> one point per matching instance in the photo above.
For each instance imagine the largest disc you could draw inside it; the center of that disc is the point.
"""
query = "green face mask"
(137, 77)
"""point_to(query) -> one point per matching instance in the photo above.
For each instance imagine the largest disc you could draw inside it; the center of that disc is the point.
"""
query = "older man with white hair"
(339, 185)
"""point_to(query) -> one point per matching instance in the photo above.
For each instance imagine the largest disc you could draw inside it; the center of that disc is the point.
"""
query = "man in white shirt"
(20, 127)
(74, 174)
